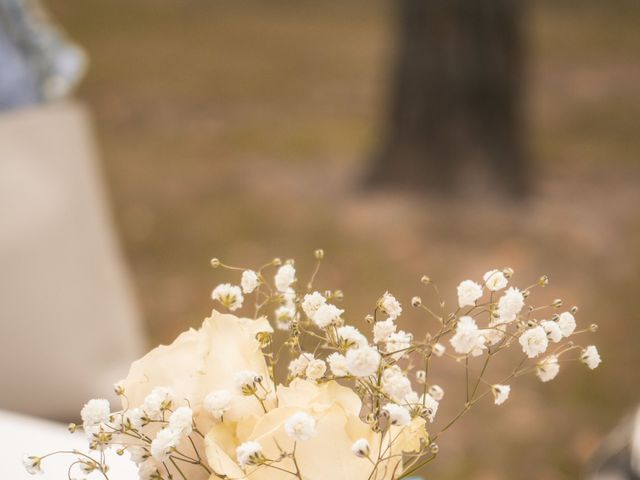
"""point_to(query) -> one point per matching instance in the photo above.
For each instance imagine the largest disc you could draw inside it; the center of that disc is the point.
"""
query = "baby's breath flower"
(138, 454)
(421, 376)
(510, 305)
(495, 280)
(351, 336)
(298, 366)
(312, 302)
(591, 357)
(398, 343)
(149, 470)
(338, 364)
(390, 306)
(363, 361)
(134, 419)
(396, 384)
(160, 399)
(228, 295)
(118, 388)
(284, 316)
(32, 464)
(285, 276)
(246, 381)
(217, 403)
(468, 293)
(326, 315)
(430, 405)
(301, 426)
(249, 281)
(382, 330)
(495, 333)
(416, 302)
(548, 368)
(567, 323)
(534, 341)
(249, 453)
(87, 466)
(181, 421)
(315, 369)
(500, 393)
(438, 349)
(468, 338)
(95, 412)
(411, 400)
(398, 415)
(361, 448)
(552, 330)
(115, 422)
(165, 440)
(436, 392)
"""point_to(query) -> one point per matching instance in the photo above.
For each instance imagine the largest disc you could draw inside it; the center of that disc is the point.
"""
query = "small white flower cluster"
(386, 367)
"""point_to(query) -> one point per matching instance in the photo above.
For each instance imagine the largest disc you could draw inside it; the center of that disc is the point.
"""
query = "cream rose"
(328, 454)
(198, 363)
(201, 361)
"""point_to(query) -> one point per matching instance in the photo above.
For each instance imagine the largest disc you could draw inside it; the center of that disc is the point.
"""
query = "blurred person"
(38, 62)
(69, 320)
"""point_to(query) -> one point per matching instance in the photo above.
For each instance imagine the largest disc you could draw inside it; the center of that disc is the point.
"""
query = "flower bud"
(416, 301)
(361, 448)
(215, 263)
(543, 281)
(319, 254)
(557, 303)
(425, 279)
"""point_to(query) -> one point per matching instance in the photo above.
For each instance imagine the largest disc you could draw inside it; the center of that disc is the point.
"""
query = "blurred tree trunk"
(457, 95)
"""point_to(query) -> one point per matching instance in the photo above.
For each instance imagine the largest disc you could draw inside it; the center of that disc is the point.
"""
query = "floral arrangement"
(325, 401)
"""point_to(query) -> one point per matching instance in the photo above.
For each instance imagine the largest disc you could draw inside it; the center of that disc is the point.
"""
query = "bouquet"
(295, 392)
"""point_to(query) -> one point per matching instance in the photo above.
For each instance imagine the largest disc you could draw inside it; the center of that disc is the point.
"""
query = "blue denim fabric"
(19, 86)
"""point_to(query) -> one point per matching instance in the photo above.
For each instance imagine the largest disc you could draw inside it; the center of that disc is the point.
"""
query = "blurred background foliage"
(244, 130)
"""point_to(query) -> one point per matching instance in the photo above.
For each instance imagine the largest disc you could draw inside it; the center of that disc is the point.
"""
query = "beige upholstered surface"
(34, 436)
(69, 325)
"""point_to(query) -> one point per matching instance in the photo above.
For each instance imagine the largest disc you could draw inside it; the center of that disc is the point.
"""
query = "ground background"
(242, 130)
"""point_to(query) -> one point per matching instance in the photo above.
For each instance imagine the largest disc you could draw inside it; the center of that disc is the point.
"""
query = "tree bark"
(457, 95)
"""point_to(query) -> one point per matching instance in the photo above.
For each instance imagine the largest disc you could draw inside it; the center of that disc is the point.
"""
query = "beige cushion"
(68, 321)
(32, 436)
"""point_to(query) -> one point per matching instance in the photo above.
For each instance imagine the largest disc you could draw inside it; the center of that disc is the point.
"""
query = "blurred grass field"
(242, 129)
